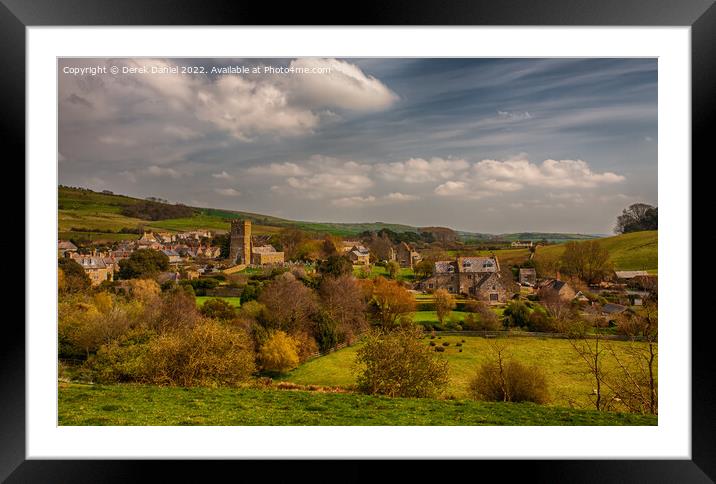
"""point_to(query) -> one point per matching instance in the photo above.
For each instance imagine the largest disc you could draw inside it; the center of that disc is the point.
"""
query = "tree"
(423, 269)
(289, 304)
(217, 308)
(444, 304)
(637, 217)
(588, 261)
(336, 265)
(399, 364)
(516, 314)
(506, 380)
(393, 269)
(342, 299)
(74, 278)
(279, 353)
(390, 302)
(143, 263)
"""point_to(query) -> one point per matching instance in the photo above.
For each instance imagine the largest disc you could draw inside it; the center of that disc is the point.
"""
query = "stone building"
(528, 276)
(265, 254)
(477, 277)
(556, 289)
(406, 256)
(242, 250)
(359, 255)
(240, 244)
(96, 268)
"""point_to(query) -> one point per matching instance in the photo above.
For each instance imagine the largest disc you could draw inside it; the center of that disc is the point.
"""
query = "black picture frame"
(16, 15)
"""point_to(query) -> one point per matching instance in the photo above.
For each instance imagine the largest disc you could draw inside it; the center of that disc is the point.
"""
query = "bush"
(207, 354)
(396, 363)
(218, 309)
(510, 382)
(439, 349)
(445, 343)
(279, 353)
(432, 343)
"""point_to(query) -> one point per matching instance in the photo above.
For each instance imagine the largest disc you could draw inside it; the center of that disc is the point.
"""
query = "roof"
(528, 270)
(477, 264)
(358, 253)
(263, 249)
(483, 279)
(66, 245)
(444, 267)
(611, 308)
(631, 274)
(90, 262)
(362, 249)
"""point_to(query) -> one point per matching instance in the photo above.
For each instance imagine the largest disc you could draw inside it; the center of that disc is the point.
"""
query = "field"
(150, 405)
(235, 301)
(569, 385)
(634, 251)
(404, 274)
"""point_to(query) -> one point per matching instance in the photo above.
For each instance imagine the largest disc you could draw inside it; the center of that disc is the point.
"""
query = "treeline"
(152, 210)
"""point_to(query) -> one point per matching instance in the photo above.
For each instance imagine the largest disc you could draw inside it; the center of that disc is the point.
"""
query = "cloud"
(354, 201)
(491, 177)
(371, 200)
(419, 170)
(155, 170)
(278, 169)
(222, 176)
(227, 192)
(514, 116)
(401, 197)
(182, 132)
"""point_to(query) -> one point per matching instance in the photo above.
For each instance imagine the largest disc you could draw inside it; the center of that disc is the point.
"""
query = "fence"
(529, 334)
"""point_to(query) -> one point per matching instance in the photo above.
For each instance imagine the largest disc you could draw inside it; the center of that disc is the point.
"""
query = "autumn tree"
(289, 304)
(588, 261)
(390, 302)
(342, 299)
(398, 363)
(444, 304)
(423, 269)
(279, 353)
(74, 278)
(393, 269)
(218, 308)
(336, 265)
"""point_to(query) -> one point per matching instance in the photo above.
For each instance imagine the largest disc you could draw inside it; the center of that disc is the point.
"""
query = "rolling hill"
(83, 213)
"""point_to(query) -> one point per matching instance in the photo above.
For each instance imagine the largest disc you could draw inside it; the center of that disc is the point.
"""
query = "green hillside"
(633, 251)
(153, 405)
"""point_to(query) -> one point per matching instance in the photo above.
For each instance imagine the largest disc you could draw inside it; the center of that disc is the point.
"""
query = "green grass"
(404, 274)
(235, 301)
(634, 251)
(149, 405)
(569, 385)
(432, 316)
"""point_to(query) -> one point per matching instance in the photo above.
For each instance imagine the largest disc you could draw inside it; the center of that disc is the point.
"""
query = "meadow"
(128, 404)
(569, 383)
(234, 301)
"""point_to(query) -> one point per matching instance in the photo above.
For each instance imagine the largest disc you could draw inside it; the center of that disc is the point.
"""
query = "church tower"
(240, 248)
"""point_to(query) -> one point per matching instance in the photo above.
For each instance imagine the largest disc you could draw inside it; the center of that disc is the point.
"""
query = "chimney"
(558, 277)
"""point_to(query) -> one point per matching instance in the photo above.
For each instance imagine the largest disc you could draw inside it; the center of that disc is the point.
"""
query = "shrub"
(516, 314)
(396, 363)
(432, 343)
(218, 309)
(445, 343)
(509, 382)
(439, 349)
(279, 353)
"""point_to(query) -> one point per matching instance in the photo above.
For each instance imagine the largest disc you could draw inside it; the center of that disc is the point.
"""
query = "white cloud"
(222, 176)
(401, 197)
(419, 170)
(491, 177)
(278, 169)
(155, 170)
(514, 116)
(182, 132)
(371, 200)
(354, 201)
(227, 192)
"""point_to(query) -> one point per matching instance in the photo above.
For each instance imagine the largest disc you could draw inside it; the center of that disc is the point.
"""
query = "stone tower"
(240, 248)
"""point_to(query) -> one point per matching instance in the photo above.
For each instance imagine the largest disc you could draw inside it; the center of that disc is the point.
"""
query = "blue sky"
(485, 145)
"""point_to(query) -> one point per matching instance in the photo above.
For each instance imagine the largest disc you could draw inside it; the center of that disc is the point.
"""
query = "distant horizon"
(484, 144)
(356, 222)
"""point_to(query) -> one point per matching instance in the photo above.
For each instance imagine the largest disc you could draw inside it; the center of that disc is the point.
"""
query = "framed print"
(311, 241)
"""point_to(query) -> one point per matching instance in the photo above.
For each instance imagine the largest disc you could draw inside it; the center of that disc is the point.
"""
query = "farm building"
(359, 255)
(528, 276)
(557, 288)
(477, 277)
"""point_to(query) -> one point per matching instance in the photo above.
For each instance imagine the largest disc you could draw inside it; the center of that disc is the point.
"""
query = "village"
(191, 256)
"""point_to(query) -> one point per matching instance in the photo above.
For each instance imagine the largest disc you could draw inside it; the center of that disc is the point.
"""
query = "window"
(493, 297)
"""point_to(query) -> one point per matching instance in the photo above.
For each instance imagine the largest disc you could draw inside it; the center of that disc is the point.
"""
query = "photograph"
(357, 241)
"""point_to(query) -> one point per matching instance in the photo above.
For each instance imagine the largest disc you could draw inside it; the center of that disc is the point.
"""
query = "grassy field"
(634, 251)
(235, 301)
(569, 385)
(150, 405)
(432, 316)
(405, 273)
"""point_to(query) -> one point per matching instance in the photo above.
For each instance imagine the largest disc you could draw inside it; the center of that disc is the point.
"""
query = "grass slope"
(569, 384)
(633, 251)
(150, 405)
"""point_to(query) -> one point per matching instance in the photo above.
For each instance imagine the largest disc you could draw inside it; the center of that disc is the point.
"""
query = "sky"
(481, 145)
